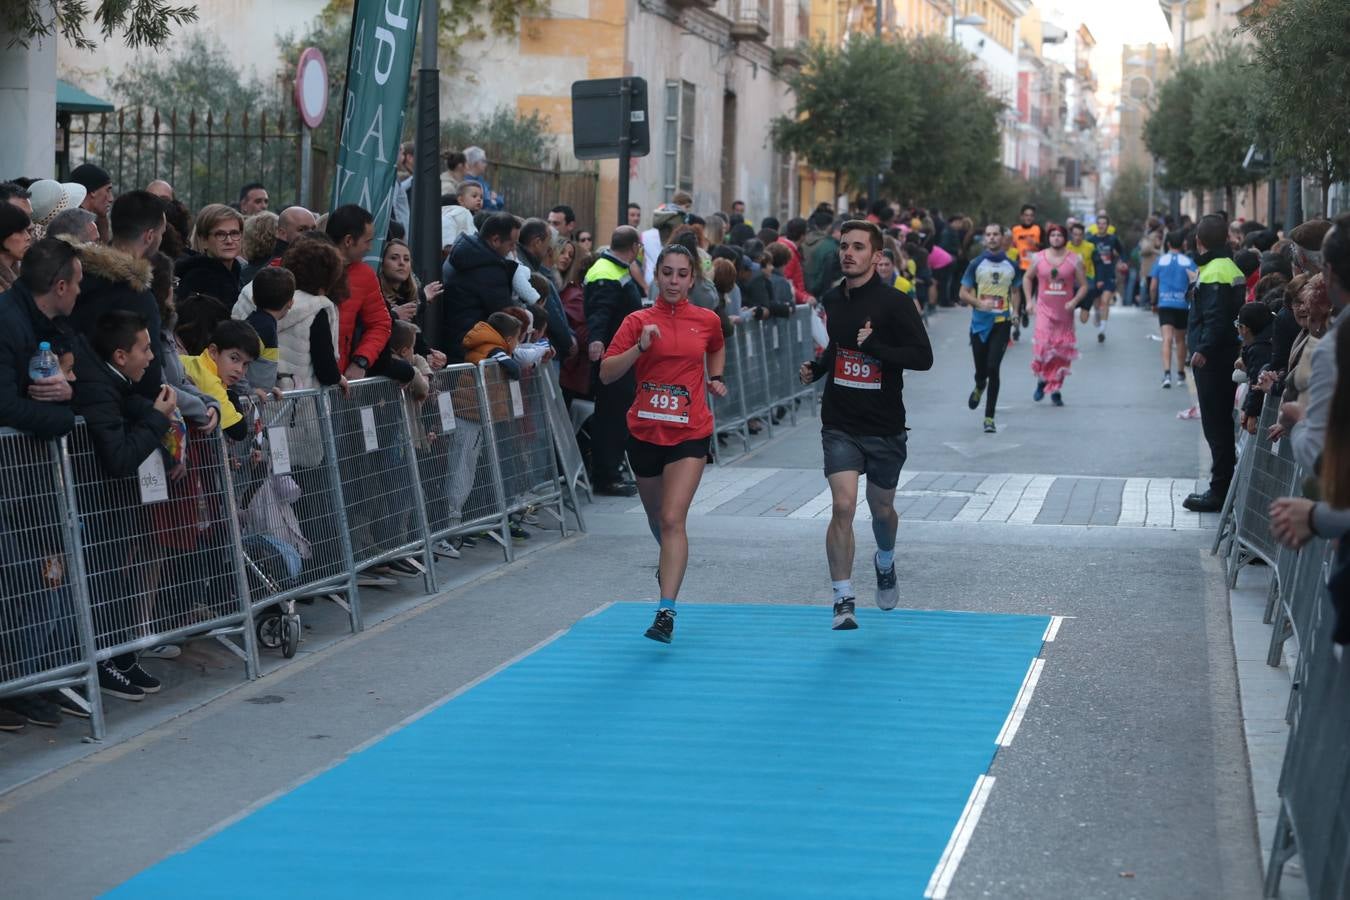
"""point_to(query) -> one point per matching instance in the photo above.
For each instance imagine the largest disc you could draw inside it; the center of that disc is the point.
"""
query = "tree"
(1222, 125)
(141, 23)
(947, 151)
(1304, 88)
(842, 122)
(1167, 133)
(505, 135)
(1127, 201)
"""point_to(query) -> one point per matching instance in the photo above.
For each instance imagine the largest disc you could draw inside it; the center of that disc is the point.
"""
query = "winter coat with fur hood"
(116, 280)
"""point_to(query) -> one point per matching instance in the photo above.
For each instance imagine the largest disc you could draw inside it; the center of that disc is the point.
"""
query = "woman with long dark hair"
(678, 353)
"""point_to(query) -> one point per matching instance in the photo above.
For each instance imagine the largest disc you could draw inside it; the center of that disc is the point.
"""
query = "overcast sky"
(1115, 23)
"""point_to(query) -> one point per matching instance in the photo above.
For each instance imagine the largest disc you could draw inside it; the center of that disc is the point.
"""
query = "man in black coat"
(610, 295)
(117, 277)
(477, 280)
(34, 310)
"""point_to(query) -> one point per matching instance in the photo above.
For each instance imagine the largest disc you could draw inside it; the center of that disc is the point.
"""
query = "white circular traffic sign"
(311, 87)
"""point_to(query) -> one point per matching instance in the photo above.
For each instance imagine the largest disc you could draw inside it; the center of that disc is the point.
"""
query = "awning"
(70, 99)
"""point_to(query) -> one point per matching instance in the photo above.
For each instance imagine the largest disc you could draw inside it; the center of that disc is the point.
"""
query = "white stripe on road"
(979, 504)
(1019, 710)
(1052, 630)
(1134, 502)
(1007, 499)
(1159, 503)
(941, 881)
(1032, 499)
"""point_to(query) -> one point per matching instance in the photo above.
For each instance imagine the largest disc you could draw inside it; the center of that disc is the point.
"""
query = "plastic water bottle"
(44, 363)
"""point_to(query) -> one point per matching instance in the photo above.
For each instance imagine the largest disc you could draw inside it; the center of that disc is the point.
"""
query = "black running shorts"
(1177, 318)
(650, 460)
(879, 457)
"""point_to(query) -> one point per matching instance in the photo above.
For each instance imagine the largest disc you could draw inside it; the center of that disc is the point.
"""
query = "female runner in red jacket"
(678, 352)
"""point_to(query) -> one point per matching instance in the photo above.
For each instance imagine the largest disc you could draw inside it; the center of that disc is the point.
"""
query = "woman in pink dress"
(1058, 273)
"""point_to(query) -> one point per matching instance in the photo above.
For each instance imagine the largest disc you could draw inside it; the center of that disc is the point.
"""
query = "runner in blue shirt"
(1169, 286)
(989, 286)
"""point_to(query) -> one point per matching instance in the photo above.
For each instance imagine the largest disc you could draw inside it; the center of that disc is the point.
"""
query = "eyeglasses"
(227, 235)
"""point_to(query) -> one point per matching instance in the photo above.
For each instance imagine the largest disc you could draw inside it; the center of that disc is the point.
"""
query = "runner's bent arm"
(905, 344)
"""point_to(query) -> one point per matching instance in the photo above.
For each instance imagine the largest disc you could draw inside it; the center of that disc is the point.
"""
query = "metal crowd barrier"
(762, 361)
(1314, 816)
(325, 485)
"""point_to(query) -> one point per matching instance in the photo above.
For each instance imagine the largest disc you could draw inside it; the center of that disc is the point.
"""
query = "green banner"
(379, 67)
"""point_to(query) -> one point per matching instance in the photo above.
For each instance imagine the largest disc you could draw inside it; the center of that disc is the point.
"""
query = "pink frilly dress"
(1054, 346)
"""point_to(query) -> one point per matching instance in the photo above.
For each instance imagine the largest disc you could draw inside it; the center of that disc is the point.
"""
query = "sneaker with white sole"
(845, 619)
(163, 651)
(115, 684)
(887, 594)
(142, 679)
(446, 549)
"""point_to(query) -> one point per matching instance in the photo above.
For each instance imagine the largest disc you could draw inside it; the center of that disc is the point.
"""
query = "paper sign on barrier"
(517, 399)
(154, 483)
(798, 326)
(368, 429)
(278, 440)
(446, 403)
(775, 339)
(749, 347)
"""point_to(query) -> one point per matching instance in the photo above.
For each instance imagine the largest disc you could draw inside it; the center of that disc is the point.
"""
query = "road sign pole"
(625, 145)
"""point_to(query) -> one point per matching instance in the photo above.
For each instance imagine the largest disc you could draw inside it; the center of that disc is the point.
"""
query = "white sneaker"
(1167, 380)
(163, 651)
(446, 549)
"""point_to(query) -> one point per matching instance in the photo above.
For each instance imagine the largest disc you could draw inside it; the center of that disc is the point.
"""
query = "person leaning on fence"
(117, 276)
(1307, 426)
(199, 410)
(364, 323)
(1255, 327)
(214, 268)
(31, 311)
(221, 366)
(125, 429)
(273, 293)
(610, 295)
(1295, 520)
(406, 297)
(478, 280)
(535, 249)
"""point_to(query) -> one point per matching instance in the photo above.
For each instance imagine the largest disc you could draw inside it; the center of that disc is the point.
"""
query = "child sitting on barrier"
(217, 369)
(273, 294)
(495, 339)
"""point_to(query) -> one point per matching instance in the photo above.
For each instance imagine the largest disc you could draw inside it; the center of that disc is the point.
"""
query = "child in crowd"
(1254, 325)
(273, 294)
(402, 344)
(125, 430)
(495, 339)
(221, 366)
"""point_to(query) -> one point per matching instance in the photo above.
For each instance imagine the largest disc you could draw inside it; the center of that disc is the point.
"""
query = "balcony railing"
(750, 20)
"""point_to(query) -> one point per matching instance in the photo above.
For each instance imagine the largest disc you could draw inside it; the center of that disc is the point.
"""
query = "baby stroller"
(279, 624)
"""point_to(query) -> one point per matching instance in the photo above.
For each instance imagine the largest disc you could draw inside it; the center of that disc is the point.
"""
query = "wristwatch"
(361, 362)
(715, 378)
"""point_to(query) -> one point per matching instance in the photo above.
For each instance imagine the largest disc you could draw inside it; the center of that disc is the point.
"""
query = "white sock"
(842, 589)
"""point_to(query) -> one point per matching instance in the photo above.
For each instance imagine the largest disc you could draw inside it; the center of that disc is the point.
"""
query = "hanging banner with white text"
(379, 67)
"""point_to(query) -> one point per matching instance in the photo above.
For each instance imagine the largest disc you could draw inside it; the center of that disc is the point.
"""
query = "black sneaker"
(887, 595)
(974, 399)
(989, 426)
(114, 683)
(845, 619)
(34, 709)
(11, 721)
(518, 532)
(663, 629)
(1101, 337)
(69, 706)
(141, 678)
(618, 489)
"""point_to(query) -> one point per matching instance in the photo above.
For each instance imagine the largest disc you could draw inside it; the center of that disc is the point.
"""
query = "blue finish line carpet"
(760, 755)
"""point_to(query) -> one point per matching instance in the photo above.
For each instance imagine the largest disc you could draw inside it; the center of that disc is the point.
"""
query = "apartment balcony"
(750, 20)
(693, 4)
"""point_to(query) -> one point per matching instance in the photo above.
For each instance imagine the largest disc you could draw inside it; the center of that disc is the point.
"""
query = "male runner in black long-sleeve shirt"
(875, 334)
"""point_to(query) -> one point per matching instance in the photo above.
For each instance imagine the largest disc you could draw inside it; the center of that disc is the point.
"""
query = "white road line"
(1134, 502)
(1181, 516)
(1007, 499)
(1052, 629)
(1159, 503)
(815, 506)
(983, 498)
(1032, 499)
(1019, 710)
(941, 881)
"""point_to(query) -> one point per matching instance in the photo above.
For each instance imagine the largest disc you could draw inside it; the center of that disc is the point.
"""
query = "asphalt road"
(1128, 776)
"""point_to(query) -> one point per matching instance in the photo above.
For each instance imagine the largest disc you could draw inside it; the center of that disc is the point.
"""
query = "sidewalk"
(1264, 695)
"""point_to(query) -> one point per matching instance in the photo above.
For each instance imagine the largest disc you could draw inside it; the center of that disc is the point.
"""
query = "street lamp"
(976, 20)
